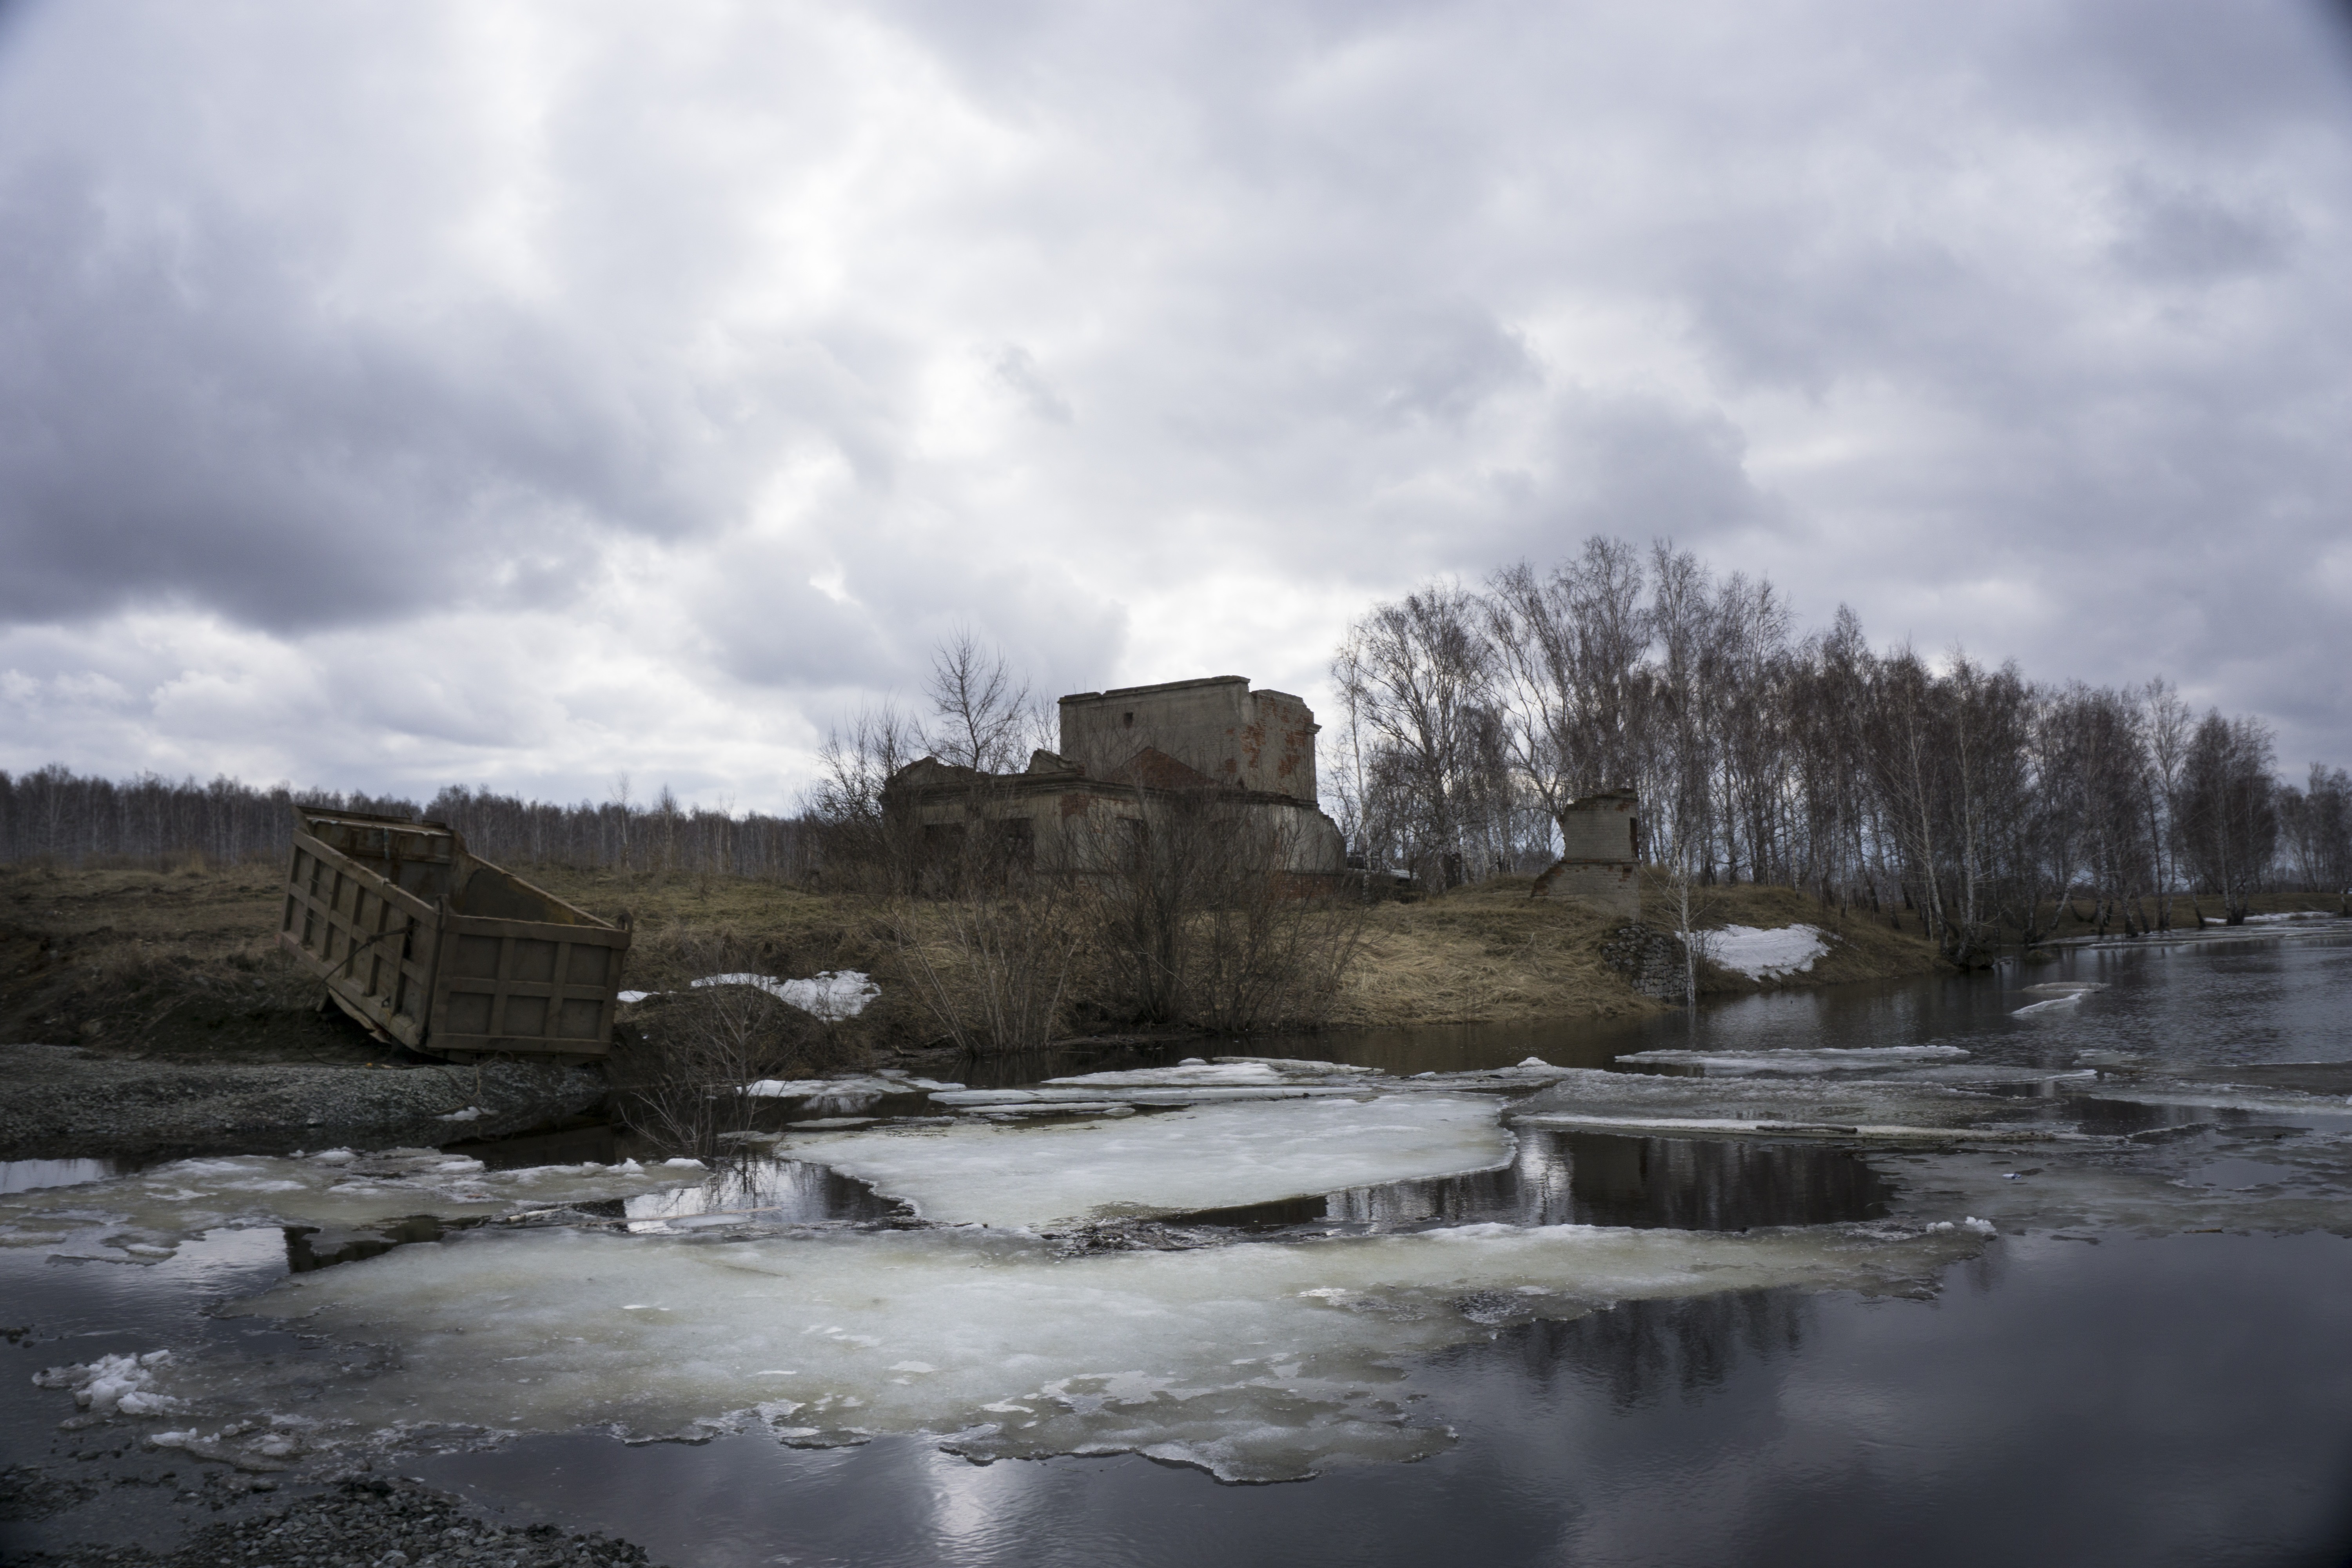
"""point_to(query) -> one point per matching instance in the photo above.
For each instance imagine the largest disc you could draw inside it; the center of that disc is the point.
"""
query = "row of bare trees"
(1471, 716)
(55, 815)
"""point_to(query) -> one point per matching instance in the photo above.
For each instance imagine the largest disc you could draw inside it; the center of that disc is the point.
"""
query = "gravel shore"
(369, 1522)
(65, 1101)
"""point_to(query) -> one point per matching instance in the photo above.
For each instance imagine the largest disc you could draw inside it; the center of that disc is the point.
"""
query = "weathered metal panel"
(526, 986)
(444, 953)
(373, 942)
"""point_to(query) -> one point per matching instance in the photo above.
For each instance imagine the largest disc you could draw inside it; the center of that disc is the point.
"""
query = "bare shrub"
(683, 1066)
(1201, 919)
(994, 965)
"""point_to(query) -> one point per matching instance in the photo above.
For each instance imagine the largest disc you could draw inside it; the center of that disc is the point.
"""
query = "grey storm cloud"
(739, 353)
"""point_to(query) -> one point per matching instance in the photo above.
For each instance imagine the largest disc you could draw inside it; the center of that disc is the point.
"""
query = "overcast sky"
(530, 395)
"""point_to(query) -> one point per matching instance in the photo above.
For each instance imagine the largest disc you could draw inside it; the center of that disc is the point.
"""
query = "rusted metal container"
(427, 945)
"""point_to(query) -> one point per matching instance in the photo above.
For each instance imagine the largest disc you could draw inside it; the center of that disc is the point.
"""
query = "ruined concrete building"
(1601, 855)
(1127, 753)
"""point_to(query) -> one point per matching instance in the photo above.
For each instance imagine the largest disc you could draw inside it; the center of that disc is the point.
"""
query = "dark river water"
(2069, 1396)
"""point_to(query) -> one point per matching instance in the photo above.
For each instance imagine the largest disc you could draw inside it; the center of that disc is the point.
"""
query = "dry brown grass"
(182, 963)
(1483, 955)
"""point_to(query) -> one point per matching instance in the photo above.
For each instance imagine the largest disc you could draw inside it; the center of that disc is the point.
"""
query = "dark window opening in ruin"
(1016, 844)
(1128, 720)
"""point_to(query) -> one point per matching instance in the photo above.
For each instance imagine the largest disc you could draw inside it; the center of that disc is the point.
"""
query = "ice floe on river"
(1204, 1157)
(1022, 1310)
(1258, 1363)
(1826, 1060)
(144, 1216)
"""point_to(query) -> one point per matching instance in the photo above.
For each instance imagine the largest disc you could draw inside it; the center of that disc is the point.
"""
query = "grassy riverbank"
(181, 965)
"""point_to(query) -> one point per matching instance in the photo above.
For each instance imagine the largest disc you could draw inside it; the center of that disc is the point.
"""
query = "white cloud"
(534, 393)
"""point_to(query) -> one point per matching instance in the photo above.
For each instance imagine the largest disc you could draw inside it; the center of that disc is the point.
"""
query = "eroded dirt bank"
(67, 1101)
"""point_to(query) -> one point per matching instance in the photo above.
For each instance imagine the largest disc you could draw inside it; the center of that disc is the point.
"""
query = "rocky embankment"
(366, 1522)
(66, 1102)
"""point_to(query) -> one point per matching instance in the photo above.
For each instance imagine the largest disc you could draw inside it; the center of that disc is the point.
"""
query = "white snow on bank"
(1762, 954)
(1210, 1156)
(1826, 1060)
(1256, 1362)
(832, 996)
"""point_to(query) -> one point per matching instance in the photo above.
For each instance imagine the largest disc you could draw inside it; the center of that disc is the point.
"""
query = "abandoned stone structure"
(1126, 750)
(1600, 858)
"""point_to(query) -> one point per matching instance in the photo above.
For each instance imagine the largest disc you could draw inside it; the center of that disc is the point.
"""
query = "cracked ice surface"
(1258, 1363)
(1208, 1157)
(144, 1217)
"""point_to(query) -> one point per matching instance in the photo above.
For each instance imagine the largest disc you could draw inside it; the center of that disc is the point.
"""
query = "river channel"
(2045, 1266)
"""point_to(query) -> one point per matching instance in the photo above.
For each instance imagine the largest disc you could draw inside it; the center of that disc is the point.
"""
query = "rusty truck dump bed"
(425, 944)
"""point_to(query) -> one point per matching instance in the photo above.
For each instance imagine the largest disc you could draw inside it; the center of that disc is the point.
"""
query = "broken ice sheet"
(1645, 1097)
(1256, 1362)
(1179, 1161)
(1826, 1060)
(162, 1207)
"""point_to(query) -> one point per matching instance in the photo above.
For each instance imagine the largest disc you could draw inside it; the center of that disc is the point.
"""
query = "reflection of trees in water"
(1637, 1353)
(1695, 1183)
(1682, 1183)
(770, 1191)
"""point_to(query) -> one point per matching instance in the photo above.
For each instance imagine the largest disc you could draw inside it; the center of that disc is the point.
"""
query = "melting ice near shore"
(1020, 1315)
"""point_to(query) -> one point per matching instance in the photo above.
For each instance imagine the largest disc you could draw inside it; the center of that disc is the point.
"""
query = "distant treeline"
(1471, 716)
(55, 815)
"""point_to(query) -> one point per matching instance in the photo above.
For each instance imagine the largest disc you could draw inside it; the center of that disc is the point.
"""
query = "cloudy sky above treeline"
(535, 393)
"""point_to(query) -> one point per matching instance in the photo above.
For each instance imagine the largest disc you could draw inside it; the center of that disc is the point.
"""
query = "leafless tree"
(982, 714)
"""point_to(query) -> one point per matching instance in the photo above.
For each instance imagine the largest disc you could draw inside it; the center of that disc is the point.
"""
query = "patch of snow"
(1208, 1157)
(1762, 954)
(832, 996)
(632, 996)
(471, 1113)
